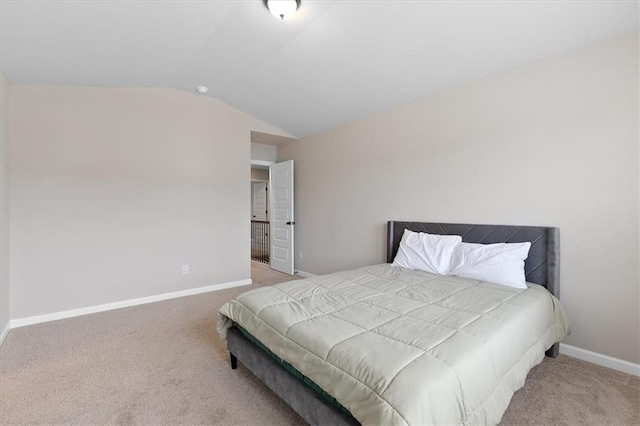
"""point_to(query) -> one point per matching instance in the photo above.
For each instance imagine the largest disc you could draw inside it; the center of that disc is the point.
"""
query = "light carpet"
(163, 363)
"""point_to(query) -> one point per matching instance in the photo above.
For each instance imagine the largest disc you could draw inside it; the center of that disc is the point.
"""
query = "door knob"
(291, 223)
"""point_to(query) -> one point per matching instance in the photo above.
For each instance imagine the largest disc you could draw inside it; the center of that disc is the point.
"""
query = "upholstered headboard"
(541, 267)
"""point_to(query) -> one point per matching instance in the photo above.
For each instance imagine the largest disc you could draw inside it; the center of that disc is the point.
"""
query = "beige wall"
(550, 143)
(259, 174)
(263, 152)
(4, 206)
(113, 189)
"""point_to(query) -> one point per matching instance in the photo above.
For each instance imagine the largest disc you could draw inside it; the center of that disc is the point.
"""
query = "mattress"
(403, 347)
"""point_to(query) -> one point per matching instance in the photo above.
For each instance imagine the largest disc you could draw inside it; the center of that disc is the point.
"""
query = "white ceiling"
(334, 62)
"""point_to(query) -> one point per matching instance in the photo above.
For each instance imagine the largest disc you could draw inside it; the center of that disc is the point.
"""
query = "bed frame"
(541, 267)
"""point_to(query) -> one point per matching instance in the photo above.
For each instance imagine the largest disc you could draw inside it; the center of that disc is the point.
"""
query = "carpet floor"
(163, 363)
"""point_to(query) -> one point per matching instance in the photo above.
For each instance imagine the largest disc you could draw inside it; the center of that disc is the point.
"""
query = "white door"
(281, 181)
(259, 200)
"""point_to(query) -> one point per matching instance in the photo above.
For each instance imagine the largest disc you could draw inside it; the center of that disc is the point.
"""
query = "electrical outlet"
(185, 269)
(300, 255)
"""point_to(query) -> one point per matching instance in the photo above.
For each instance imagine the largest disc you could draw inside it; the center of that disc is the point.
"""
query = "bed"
(384, 345)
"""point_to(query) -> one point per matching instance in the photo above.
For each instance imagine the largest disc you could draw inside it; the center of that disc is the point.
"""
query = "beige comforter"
(399, 347)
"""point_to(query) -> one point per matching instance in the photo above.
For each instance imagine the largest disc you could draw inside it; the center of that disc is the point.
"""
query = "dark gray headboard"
(541, 267)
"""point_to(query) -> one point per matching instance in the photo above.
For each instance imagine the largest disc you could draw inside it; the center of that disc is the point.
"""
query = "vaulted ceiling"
(334, 62)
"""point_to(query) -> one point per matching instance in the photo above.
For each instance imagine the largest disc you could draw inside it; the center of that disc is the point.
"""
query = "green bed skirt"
(324, 395)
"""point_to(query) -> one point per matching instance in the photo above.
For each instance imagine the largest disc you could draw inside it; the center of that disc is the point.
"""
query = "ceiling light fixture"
(202, 89)
(282, 9)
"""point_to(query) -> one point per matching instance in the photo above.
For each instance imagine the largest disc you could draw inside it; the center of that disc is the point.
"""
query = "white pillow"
(501, 263)
(426, 252)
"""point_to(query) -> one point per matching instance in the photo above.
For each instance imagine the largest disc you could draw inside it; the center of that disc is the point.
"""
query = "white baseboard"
(600, 359)
(304, 274)
(5, 332)
(21, 322)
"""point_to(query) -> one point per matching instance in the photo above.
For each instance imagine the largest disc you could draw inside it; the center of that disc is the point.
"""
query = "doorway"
(260, 225)
(272, 223)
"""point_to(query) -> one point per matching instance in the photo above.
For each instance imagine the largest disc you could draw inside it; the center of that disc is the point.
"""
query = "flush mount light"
(202, 89)
(282, 9)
